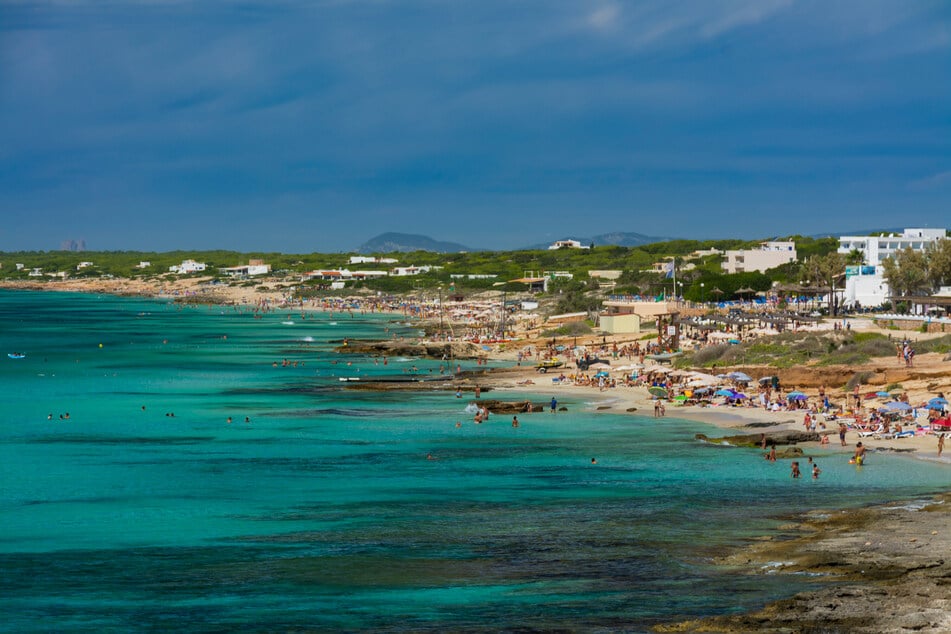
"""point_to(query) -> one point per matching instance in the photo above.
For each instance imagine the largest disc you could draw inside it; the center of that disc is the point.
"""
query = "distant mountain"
(404, 242)
(616, 238)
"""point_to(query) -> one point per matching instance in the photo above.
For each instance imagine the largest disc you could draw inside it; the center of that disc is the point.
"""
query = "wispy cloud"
(934, 181)
(733, 15)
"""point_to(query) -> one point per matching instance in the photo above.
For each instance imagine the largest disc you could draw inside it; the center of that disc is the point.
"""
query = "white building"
(402, 271)
(364, 259)
(567, 244)
(252, 268)
(874, 249)
(143, 264)
(83, 265)
(865, 285)
(768, 256)
(187, 266)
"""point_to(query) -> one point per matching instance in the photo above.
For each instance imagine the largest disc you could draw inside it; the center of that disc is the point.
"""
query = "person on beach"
(554, 404)
(594, 461)
(842, 430)
(795, 470)
(815, 471)
(859, 457)
(515, 421)
(940, 444)
(771, 456)
(824, 440)
(762, 441)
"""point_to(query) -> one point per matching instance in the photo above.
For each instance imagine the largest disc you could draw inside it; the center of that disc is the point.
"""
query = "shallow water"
(323, 512)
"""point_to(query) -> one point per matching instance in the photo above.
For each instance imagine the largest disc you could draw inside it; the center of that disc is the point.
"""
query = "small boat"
(16, 355)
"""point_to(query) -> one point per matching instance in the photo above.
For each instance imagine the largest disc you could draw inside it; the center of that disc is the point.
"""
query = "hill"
(404, 242)
(615, 238)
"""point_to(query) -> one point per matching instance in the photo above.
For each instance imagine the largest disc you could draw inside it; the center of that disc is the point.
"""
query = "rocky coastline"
(885, 568)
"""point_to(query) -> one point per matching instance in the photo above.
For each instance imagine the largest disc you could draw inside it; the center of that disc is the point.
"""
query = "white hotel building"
(866, 284)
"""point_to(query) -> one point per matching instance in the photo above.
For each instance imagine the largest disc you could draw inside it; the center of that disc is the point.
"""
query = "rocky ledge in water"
(772, 438)
(882, 569)
(429, 349)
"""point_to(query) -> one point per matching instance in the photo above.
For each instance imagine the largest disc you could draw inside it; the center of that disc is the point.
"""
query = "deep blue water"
(323, 513)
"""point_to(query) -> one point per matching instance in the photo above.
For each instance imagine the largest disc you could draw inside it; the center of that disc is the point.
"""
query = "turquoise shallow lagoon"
(323, 513)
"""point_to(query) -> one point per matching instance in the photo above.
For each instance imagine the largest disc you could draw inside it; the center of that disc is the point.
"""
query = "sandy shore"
(733, 420)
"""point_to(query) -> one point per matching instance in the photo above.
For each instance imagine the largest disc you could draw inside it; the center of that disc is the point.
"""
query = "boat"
(545, 366)
(16, 355)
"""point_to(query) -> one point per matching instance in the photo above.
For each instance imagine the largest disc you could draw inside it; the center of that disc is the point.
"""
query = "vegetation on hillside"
(791, 349)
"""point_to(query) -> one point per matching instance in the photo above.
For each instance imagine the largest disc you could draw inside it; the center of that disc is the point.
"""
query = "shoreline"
(907, 545)
(881, 568)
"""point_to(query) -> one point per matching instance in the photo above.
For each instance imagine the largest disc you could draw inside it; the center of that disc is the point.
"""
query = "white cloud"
(933, 181)
(740, 14)
(605, 16)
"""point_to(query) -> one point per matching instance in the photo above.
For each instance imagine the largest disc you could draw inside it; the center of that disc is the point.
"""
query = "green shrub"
(568, 330)
(706, 356)
(859, 378)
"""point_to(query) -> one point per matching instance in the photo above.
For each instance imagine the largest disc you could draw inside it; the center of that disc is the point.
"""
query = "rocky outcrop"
(891, 563)
(433, 350)
(772, 438)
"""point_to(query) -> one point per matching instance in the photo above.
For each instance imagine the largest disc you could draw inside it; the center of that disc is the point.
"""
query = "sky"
(300, 126)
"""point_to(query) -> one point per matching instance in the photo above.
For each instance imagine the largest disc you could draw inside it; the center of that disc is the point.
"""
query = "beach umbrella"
(681, 397)
(796, 397)
(938, 401)
(659, 392)
(724, 392)
(599, 366)
(739, 396)
(935, 406)
(602, 373)
(766, 379)
(739, 377)
(700, 391)
(883, 394)
(896, 406)
(795, 394)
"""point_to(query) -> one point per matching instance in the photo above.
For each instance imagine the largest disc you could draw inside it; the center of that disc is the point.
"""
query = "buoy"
(100, 345)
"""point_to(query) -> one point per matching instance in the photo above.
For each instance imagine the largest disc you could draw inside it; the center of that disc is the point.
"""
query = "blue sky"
(313, 126)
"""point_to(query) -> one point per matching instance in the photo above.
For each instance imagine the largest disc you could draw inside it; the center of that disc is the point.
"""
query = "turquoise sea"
(323, 513)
